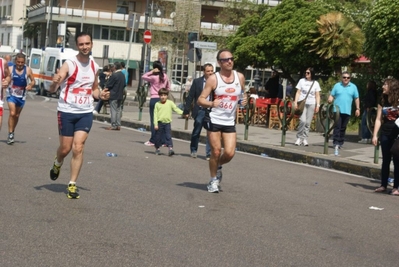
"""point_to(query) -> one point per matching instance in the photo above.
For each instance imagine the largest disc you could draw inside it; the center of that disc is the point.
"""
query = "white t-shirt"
(304, 85)
(76, 90)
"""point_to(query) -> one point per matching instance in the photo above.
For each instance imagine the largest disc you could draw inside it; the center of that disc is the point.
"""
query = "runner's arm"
(7, 75)
(31, 78)
(59, 77)
(210, 85)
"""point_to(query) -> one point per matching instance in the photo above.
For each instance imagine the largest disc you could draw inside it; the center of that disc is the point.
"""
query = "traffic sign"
(147, 36)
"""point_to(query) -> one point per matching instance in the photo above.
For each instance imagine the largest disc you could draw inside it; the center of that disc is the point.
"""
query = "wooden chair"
(261, 111)
(274, 121)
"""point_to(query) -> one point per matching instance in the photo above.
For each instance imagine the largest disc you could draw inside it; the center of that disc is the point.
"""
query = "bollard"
(326, 114)
(141, 95)
(371, 117)
(285, 115)
(249, 113)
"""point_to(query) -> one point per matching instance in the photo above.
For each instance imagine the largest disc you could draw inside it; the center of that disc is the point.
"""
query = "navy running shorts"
(18, 101)
(209, 126)
(69, 123)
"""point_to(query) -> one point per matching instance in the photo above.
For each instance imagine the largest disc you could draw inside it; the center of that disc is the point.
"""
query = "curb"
(278, 152)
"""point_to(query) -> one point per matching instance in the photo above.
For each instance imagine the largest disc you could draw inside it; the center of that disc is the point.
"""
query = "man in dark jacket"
(115, 86)
(198, 113)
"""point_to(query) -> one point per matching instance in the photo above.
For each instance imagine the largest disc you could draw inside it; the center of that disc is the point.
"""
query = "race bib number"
(17, 91)
(81, 96)
(228, 101)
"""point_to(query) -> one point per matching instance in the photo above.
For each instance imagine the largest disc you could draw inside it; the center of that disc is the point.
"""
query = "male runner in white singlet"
(225, 89)
(78, 78)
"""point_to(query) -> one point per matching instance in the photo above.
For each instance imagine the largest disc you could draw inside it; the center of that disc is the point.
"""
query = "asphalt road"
(139, 209)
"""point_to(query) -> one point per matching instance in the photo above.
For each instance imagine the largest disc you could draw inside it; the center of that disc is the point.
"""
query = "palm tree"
(337, 39)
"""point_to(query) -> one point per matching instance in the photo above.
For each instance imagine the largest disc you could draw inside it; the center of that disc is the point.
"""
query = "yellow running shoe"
(72, 191)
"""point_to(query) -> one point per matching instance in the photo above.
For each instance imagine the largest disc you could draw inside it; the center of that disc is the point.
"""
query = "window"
(9, 10)
(97, 32)
(50, 64)
(8, 38)
(117, 35)
(105, 33)
(35, 61)
(123, 7)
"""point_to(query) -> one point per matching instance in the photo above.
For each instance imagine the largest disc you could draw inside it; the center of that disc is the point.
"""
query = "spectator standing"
(162, 121)
(312, 104)
(272, 85)
(221, 94)
(343, 94)
(198, 112)
(116, 86)
(387, 113)
(103, 77)
(157, 80)
(124, 71)
(369, 102)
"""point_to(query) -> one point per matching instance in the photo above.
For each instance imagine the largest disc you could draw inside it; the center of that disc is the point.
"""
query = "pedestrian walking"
(78, 78)
(307, 89)
(162, 121)
(220, 96)
(387, 114)
(22, 80)
(198, 112)
(343, 94)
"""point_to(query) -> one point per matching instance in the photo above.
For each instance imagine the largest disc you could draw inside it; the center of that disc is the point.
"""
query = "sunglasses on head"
(225, 60)
(345, 77)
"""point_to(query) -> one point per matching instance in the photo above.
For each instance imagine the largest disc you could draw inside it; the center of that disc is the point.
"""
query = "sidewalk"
(353, 158)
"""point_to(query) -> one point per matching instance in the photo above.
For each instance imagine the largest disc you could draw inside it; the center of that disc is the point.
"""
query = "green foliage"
(278, 37)
(382, 38)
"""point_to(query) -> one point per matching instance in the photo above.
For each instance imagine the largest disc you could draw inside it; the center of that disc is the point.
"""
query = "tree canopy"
(382, 38)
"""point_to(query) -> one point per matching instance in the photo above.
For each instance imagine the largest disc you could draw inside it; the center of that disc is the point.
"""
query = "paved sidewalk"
(353, 157)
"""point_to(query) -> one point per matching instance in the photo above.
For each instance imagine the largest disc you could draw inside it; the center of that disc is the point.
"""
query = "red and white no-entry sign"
(147, 36)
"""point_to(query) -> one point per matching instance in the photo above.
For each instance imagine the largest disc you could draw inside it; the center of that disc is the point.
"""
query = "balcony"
(39, 13)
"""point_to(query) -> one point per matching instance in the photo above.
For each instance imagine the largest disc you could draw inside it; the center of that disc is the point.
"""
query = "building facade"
(12, 21)
(171, 22)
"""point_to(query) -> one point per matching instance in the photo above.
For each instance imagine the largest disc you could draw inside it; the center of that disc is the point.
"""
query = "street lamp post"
(144, 45)
(49, 22)
(65, 23)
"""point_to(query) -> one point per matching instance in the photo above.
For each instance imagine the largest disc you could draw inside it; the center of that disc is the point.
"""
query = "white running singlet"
(76, 90)
(229, 93)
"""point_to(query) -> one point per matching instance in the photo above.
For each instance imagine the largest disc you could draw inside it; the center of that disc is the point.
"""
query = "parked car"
(176, 86)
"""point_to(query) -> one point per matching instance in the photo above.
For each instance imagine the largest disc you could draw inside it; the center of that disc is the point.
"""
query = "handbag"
(300, 105)
(395, 148)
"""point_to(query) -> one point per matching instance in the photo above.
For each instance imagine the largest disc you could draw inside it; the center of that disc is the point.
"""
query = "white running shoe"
(305, 142)
(298, 142)
(213, 186)
(363, 141)
(148, 143)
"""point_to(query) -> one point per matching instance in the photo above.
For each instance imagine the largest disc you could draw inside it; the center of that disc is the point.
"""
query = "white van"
(44, 64)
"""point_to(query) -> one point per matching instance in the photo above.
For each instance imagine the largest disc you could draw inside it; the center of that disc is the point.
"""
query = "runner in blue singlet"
(16, 93)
